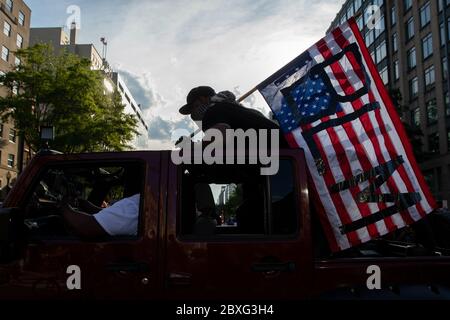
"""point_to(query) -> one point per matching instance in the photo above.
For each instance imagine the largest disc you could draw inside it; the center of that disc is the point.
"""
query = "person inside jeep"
(88, 220)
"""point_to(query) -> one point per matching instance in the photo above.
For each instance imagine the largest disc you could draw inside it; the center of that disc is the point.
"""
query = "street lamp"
(47, 134)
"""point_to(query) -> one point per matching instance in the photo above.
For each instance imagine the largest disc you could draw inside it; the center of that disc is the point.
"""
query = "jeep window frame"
(237, 237)
(55, 164)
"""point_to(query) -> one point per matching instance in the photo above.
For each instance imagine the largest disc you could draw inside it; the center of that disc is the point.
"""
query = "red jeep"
(268, 244)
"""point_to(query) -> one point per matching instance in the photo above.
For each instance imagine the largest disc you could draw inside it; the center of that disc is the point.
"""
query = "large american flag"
(331, 102)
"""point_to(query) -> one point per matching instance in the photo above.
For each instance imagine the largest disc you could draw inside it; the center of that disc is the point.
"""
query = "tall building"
(60, 39)
(225, 193)
(131, 107)
(15, 20)
(409, 43)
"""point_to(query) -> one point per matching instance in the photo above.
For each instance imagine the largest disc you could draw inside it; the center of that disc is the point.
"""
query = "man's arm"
(222, 127)
(88, 206)
(82, 224)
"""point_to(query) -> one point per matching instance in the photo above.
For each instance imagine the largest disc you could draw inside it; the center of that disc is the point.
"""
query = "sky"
(163, 48)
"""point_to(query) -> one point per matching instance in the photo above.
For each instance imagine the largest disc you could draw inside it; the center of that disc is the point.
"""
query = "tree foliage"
(63, 91)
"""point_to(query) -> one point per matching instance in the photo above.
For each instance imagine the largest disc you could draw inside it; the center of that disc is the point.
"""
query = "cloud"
(164, 132)
(142, 88)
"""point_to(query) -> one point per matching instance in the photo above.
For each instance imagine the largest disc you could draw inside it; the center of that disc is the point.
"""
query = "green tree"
(61, 90)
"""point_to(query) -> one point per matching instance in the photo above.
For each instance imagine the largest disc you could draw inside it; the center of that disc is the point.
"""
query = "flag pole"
(245, 96)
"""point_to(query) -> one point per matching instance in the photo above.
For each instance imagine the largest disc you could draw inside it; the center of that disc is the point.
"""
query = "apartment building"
(15, 21)
(410, 46)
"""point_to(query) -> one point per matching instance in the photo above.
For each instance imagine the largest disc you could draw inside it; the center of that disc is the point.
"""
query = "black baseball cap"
(202, 91)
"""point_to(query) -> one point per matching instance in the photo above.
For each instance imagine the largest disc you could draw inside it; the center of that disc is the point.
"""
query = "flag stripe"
(343, 167)
(352, 126)
(402, 144)
(363, 208)
(392, 153)
(373, 147)
(403, 183)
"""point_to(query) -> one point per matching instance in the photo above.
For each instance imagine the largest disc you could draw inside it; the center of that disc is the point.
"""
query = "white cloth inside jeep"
(121, 218)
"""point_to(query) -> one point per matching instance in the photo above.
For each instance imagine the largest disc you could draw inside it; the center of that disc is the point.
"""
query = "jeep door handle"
(180, 279)
(128, 267)
(273, 267)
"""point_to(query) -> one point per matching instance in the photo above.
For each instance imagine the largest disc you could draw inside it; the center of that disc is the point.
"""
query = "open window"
(87, 187)
(236, 200)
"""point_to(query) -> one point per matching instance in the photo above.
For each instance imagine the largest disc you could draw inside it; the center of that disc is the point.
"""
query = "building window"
(429, 76)
(17, 61)
(407, 4)
(430, 178)
(358, 4)
(425, 14)
(415, 117)
(11, 160)
(380, 27)
(394, 42)
(413, 87)
(9, 5)
(21, 18)
(442, 34)
(448, 140)
(350, 11)
(12, 135)
(447, 104)
(5, 53)
(384, 75)
(380, 51)
(410, 28)
(433, 143)
(448, 29)
(427, 46)
(393, 15)
(19, 41)
(444, 68)
(360, 22)
(412, 58)
(431, 112)
(396, 70)
(372, 55)
(6, 29)
(369, 37)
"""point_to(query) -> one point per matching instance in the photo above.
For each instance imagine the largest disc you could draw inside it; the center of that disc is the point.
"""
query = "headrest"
(203, 197)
